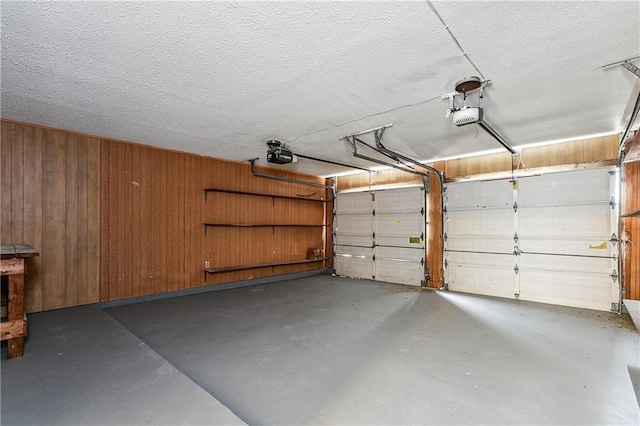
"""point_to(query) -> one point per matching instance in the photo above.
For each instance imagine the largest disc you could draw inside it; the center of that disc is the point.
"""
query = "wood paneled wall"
(572, 152)
(434, 241)
(151, 232)
(153, 238)
(114, 219)
(50, 185)
(234, 246)
(631, 229)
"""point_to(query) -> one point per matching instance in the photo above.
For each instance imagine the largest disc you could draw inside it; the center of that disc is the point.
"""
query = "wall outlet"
(207, 264)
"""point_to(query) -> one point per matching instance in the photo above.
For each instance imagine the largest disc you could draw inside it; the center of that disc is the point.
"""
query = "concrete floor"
(326, 350)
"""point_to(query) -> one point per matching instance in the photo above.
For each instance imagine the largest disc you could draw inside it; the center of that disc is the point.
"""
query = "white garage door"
(380, 235)
(547, 238)
(479, 233)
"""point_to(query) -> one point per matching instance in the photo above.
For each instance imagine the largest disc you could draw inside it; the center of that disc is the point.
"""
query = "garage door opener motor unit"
(277, 153)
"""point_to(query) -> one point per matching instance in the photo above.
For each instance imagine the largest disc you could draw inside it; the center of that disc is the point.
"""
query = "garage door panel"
(479, 195)
(567, 289)
(481, 279)
(399, 224)
(588, 221)
(479, 247)
(354, 240)
(396, 230)
(354, 262)
(480, 223)
(400, 200)
(596, 247)
(569, 264)
(482, 259)
(563, 223)
(401, 241)
(584, 186)
(400, 272)
(399, 253)
(481, 244)
(354, 224)
(354, 203)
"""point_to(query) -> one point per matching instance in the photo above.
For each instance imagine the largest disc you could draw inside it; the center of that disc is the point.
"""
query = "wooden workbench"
(12, 263)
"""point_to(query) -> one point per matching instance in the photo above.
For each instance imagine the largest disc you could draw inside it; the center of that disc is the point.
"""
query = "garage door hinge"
(373, 212)
(614, 276)
(422, 211)
(614, 239)
(515, 238)
(515, 206)
(516, 269)
(446, 264)
(615, 307)
(612, 203)
(517, 251)
(445, 236)
(444, 209)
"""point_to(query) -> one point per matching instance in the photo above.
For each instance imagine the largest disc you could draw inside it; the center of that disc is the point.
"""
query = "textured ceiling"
(220, 78)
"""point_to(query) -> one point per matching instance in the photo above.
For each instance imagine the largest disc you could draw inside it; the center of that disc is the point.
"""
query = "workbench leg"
(15, 312)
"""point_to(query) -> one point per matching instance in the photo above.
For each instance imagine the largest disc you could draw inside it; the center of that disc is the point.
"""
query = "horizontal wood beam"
(508, 174)
(13, 266)
(13, 329)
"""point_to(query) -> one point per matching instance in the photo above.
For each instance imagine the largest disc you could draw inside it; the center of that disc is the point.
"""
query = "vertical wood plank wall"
(631, 229)
(154, 208)
(113, 219)
(50, 200)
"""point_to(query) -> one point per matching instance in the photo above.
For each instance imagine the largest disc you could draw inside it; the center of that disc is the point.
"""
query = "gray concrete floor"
(81, 367)
(326, 350)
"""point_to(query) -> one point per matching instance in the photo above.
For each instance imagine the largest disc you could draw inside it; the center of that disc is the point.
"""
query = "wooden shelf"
(635, 213)
(258, 225)
(289, 197)
(260, 265)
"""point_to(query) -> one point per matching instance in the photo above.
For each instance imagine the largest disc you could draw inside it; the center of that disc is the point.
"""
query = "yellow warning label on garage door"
(602, 246)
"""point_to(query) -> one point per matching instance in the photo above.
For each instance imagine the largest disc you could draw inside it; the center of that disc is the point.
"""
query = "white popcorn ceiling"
(220, 78)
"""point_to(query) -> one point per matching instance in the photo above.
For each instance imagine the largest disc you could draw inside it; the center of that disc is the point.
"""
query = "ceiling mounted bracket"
(353, 140)
(364, 132)
(464, 115)
(634, 114)
(464, 86)
(626, 64)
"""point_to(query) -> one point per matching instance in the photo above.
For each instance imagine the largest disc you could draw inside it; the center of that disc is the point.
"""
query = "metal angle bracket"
(627, 65)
